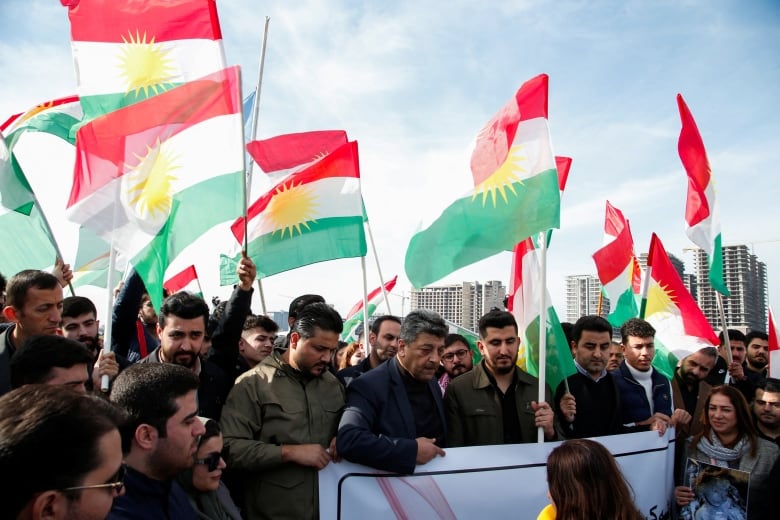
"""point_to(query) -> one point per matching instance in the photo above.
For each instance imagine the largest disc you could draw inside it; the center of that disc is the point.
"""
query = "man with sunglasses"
(456, 360)
(60, 454)
(160, 439)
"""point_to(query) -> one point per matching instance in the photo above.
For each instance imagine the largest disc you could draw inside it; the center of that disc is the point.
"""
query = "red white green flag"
(55, 117)
(514, 188)
(525, 297)
(153, 177)
(679, 322)
(375, 297)
(125, 51)
(774, 347)
(186, 280)
(701, 210)
(313, 215)
(281, 155)
(618, 268)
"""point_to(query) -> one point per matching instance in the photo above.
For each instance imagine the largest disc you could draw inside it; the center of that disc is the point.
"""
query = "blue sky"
(413, 82)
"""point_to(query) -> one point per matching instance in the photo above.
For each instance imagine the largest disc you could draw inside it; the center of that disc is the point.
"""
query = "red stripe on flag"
(373, 294)
(342, 162)
(563, 165)
(291, 150)
(181, 280)
(516, 282)
(694, 158)
(115, 21)
(104, 145)
(774, 340)
(40, 107)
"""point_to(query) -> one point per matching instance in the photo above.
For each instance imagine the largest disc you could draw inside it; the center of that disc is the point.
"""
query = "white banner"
(507, 481)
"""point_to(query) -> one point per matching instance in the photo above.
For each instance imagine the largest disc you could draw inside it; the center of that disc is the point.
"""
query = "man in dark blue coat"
(394, 417)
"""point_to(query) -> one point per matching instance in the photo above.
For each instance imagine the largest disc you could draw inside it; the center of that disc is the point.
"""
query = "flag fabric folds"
(126, 51)
(701, 211)
(774, 346)
(186, 280)
(353, 323)
(515, 192)
(153, 177)
(618, 268)
(525, 297)
(679, 323)
(56, 117)
(375, 297)
(313, 215)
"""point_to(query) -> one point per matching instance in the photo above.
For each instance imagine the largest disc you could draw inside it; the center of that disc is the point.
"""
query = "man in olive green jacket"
(496, 403)
(279, 422)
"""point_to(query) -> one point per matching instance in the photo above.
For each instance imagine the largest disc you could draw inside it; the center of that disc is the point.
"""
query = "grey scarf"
(719, 453)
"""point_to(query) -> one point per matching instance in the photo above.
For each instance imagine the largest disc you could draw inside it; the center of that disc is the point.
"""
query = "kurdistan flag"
(525, 296)
(375, 297)
(153, 177)
(31, 246)
(701, 210)
(281, 155)
(127, 50)
(514, 189)
(186, 280)
(91, 264)
(680, 326)
(55, 117)
(618, 268)
(313, 215)
(351, 325)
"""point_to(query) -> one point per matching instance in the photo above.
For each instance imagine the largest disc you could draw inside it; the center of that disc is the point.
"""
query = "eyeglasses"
(449, 356)
(211, 461)
(115, 486)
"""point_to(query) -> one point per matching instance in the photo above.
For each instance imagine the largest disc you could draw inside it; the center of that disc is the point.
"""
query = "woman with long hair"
(203, 483)
(353, 354)
(728, 439)
(585, 483)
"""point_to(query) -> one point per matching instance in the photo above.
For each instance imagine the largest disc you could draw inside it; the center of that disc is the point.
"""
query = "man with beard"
(734, 373)
(394, 417)
(456, 360)
(181, 329)
(159, 440)
(615, 356)
(690, 388)
(279, 422)
(766, 409)
(496, 403)
(590, 406)
(383, 340)
(757, 354)
(80, 323)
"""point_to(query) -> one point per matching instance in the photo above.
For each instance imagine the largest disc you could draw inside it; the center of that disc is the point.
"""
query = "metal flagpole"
(378, 268)
(542, 327)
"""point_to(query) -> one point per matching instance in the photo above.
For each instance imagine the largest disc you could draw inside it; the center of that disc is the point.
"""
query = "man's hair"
(591, 324)
(636, 327)
(260, 321)
(317, 315)
(497, 319)
(184, 305)
(709, 352)
(567, 330)
(49, 440)
(770, 384)
(36, 358)
(75, 306)
(422, 321)
(755, 334)
(734, 335)
(377, 324)
(297, 305)
(148, 392)
(451, 339)
(16, 292)
(3, 283)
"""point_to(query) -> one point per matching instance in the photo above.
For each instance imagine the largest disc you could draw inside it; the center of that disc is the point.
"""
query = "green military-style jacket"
(271, 405)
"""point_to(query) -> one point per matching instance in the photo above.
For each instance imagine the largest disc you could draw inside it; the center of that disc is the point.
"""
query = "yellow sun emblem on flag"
(291, 209)
(149, 184)
(145, 65)
(502, 180)
(659, 299)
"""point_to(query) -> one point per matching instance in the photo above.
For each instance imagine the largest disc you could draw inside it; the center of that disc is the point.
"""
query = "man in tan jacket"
(280, 419)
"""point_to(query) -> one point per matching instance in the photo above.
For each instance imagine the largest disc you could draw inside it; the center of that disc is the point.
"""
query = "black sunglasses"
(211, 461)
(118, 482)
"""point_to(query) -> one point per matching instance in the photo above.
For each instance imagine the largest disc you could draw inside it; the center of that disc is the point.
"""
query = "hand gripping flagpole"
(248, 172)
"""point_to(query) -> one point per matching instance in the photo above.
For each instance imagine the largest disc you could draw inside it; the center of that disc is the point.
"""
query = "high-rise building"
(582, 297)
(746, 279)
(678, 264)
(461, 303)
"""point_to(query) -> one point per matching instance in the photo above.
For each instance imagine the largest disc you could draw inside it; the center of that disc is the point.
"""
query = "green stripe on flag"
(716, 268)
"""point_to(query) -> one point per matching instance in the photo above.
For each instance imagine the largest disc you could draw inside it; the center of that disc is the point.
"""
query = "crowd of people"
(213, 414)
